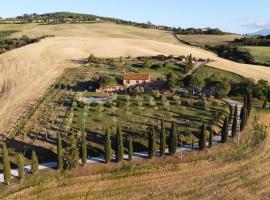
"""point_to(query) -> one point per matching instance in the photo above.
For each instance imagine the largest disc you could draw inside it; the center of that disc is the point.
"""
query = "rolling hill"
(28, 71)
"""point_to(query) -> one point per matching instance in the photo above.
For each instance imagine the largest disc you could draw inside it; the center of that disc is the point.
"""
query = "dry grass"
(27, 72)
(246, 178)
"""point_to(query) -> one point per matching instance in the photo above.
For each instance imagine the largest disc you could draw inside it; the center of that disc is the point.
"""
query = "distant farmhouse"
(133, 79)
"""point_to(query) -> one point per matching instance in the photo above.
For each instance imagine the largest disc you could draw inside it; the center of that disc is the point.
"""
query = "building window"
(137, 81)
(128, 82)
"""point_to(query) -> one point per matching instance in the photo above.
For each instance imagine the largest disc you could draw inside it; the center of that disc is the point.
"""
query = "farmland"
(30, 70)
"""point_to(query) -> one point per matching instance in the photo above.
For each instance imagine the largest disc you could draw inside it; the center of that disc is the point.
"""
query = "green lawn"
(261, 54)
(212, 40)
(206, 71)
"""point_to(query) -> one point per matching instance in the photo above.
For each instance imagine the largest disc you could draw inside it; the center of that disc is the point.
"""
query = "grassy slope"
(236, 174)
(25, 75)
(205, 72)
(212, 40)
(261, 54)
(90, 30)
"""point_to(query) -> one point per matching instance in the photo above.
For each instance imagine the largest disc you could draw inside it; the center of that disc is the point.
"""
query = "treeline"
(199, 31)
(252, 41)
(68, 17)
(8, 44)
(233, 53)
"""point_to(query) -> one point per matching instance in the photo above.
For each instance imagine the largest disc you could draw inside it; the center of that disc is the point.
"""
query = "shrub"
(94, 104)
(108, 105)
(80, 104)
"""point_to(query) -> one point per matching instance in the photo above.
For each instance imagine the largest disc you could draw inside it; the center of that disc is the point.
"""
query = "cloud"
(255, 23)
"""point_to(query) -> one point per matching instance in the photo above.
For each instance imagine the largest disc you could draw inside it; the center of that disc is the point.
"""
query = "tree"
(107, 82)
(248, 104)
(202, 138)
(210, 138)
(34, 162)
(84, 149)
(243, 117)
(92, 59)
(147, 64)
(265, 103)
(162, 138)
(107, 147)
(60, 163)
(196, 81)
(20, 166)
(130, 148)
(152, 143)
(225, 131)
(235, 121)
(119, 145)
(72, 154)
(172, 80)
(172, 140)
(223, 89)
(6, 162)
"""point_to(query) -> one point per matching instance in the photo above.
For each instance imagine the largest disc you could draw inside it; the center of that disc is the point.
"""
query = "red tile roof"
(136, 76)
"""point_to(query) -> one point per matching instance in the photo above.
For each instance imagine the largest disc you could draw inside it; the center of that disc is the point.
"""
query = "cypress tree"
(192, 143)
(231, 114)
(264, 103)
(225, 131)
(34, 162)
(130, 148)
(107, 147)
(20, 166)
(6, 162)
(248, 104)
(210, 138)
(162, 138)
(202, 138)
(72, 154)
(152, 143)
(243, 117)
(235, 121)
(172, 140)
(60, 163)
(245, 101)
(84, 149)
(119, 146)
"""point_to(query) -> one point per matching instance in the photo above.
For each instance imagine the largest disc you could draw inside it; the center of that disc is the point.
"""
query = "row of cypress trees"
(152, 143)
(20, 164)
(119, 148)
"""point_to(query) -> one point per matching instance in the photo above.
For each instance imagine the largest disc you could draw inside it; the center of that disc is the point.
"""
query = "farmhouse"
(133, 79)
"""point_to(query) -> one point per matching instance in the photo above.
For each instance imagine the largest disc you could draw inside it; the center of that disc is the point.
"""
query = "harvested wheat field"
(243, 174)
(28, 71)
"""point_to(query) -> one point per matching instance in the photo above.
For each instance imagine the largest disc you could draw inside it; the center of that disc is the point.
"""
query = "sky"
(240, 16)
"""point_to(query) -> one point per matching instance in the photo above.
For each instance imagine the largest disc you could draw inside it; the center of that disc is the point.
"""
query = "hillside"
(28, 71)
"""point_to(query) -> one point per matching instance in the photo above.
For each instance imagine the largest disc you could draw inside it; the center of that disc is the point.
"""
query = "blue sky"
(242, 16)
